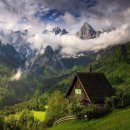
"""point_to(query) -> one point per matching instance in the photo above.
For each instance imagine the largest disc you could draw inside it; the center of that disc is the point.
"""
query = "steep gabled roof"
(96, 85)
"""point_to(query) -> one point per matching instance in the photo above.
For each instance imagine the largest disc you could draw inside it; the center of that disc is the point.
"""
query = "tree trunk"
(122, 102)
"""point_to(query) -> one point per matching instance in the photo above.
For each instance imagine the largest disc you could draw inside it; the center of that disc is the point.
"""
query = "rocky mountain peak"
(49, 52)
(59, 31)
(87, 26)
(86, 32)
(56, 31)
(64, 32)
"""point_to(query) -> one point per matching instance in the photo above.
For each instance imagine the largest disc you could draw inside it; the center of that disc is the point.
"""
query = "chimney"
(90, 69)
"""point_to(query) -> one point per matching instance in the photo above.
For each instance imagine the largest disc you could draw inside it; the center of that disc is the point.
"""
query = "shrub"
(57, 108)
(123, 95)
(77, 108)
(111, 102)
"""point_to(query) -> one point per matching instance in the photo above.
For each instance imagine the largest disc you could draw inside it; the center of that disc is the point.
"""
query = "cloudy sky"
(36, 15)
(99, 13)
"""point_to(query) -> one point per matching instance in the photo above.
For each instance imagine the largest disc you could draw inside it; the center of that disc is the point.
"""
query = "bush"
(1, 123)
(111, 102)
(123, 95)
(25, 121)
(77, 108)
(57, 108)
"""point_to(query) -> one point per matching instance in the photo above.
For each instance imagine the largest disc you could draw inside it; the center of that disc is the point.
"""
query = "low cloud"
(68, 18)
(119, 36)
(16, 76)
(71, 44)
(4, 39)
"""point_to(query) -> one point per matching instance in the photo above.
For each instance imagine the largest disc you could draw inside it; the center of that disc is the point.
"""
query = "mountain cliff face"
(49, 61)
(10, 57)
(19, 41)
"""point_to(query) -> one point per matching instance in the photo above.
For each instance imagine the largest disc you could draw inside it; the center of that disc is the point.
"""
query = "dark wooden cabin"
(90, 88)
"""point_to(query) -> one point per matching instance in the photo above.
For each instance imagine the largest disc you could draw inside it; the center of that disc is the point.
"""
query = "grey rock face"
(86, 32)
(18, 40)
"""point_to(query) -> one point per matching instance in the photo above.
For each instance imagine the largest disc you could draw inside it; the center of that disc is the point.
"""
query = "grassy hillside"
(117, 120)
(116, 66)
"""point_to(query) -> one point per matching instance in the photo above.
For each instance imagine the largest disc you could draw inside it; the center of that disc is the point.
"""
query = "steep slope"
(48, 62)
(115, 63)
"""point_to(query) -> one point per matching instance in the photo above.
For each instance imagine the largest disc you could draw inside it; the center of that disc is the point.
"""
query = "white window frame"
(78, 91)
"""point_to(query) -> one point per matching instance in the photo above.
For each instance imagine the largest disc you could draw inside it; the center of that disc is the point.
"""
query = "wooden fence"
(72, 117)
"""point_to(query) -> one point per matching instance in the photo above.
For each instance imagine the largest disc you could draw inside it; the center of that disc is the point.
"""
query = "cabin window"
(77, 91)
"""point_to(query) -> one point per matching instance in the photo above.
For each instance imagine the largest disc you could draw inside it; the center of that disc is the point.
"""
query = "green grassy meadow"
(39, 115)
(117, 120)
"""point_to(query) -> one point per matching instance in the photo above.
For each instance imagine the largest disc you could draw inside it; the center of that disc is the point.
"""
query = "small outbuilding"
(90, 87)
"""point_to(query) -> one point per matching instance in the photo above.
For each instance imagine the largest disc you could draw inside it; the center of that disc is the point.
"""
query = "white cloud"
(68, 18)
(4, 36)
(16, 76)
(12, 13)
